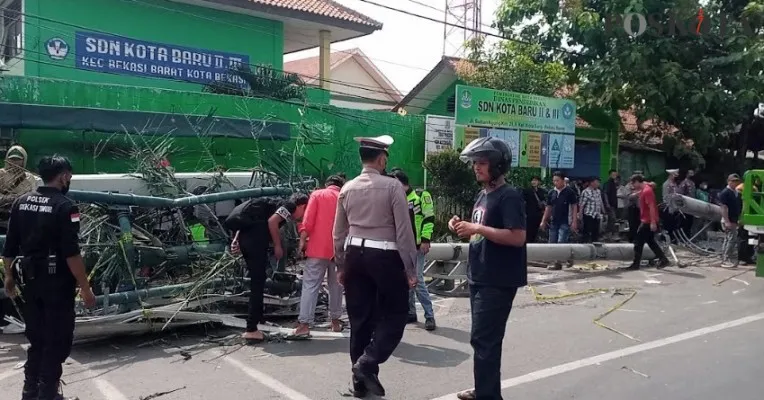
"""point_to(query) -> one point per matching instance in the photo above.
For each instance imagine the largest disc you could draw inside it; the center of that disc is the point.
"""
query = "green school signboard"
(500, 109)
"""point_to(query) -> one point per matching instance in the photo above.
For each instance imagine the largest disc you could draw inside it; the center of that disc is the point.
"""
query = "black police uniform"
(43, 232)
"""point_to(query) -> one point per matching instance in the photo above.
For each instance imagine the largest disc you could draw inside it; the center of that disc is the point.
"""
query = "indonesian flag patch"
(75, 217)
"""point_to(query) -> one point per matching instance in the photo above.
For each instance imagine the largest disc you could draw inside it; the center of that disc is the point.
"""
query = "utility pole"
(466, 14)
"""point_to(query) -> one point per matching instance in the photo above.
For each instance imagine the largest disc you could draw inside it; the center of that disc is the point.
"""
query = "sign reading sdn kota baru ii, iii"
(500, 109)
(120, 55)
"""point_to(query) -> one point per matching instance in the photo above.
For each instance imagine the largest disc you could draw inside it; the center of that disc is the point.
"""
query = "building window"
(12, 29)
(451, 104)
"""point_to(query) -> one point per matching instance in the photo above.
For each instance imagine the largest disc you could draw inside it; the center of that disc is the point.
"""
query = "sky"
(407, 47)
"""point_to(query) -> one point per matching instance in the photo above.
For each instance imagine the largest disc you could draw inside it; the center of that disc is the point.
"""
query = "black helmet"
(495, 150)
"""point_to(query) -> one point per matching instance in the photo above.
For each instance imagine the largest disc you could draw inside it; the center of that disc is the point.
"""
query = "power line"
(267, 32)
(478, 31)
(439, 10)
(339, 82)
(325, 109)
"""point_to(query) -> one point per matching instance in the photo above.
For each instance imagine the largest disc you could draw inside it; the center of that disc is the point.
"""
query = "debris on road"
(635, 371)
(160, 394)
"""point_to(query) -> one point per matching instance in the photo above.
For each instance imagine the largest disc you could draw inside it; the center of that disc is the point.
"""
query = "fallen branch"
(733, 276)
(160, 394)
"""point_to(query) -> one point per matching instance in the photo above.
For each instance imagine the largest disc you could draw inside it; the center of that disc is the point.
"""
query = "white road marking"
(109, 391)
(10, 373)
(709, 302)
(267, 380)
(741, 281)
(625, 352)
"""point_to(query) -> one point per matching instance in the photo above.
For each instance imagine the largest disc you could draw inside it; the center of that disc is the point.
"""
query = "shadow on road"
(456, 335)
(429, 356)
(311, 347)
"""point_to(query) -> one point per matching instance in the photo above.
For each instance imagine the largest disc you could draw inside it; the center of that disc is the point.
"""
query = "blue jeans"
(490, 312)
(420, 290)
(559, 233)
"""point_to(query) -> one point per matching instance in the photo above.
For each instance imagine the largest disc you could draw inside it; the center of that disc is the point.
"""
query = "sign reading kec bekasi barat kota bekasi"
(501, 109)
(121, 55)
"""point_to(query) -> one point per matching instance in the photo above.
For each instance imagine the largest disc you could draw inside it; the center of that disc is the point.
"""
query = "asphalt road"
(691, 338)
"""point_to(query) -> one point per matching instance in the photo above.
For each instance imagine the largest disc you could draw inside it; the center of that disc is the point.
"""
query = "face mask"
(65, 189)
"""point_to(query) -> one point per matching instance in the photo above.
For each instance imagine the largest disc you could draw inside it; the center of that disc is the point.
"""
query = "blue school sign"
(120, 55)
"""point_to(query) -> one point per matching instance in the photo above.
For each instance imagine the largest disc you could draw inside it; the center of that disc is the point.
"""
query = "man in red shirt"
(317, 243)
(648, 218)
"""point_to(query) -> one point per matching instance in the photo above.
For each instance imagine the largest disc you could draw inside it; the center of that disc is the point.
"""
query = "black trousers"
(633, 217)
(377, 297)
(687, 220)
(49, 317)
(645, 236)
(744, 250)
(591, 232)
(532, 231)
(671, 222)
(255, 254)
(490, 311)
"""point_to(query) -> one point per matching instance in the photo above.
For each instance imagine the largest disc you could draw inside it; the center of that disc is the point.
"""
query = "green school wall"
(94, 152)
(146, 20)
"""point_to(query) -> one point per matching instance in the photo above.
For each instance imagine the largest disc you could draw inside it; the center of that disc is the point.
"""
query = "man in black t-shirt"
(731, 204)
(497, 260)
(256, 223)
(561, 214)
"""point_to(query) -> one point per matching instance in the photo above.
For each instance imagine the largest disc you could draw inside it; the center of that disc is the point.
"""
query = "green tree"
(511, 66)
(705, 85)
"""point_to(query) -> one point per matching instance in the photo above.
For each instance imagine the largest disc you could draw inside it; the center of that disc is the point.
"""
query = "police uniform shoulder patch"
(427, 199)
(75, 216)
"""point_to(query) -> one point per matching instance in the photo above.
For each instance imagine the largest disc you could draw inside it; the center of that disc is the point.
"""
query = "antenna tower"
(467, 15)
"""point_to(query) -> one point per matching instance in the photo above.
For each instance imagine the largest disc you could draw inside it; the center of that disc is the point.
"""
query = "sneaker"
(466, 395)
(358, 388)
(13, 329)
(663, 263)
(412, 319)
(632, 267)
(429, 324)
(555, 267)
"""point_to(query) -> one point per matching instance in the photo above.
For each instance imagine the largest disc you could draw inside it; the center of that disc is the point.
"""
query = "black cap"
(733, 177)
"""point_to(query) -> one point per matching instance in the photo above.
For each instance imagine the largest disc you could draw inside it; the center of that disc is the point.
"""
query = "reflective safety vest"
(199, 234)
(425, 219)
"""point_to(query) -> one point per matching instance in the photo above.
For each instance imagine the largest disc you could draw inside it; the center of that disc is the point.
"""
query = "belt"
(369, 243)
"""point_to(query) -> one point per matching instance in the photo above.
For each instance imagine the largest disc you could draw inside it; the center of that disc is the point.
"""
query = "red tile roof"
(325, 8)
(308, 68)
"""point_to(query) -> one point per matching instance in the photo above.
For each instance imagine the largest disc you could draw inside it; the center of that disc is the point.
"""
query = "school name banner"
(501, 109)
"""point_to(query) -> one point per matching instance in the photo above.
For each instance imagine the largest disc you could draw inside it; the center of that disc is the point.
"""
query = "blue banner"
(120, 55)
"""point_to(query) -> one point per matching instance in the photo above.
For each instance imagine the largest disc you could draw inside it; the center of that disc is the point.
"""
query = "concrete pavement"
(694, 339)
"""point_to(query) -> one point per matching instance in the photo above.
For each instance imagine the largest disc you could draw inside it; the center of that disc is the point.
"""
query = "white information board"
(438, 136)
